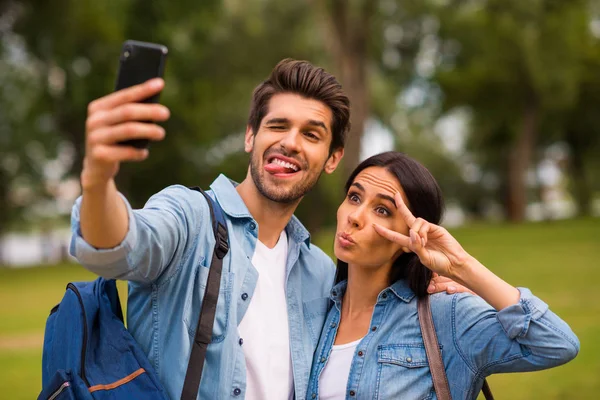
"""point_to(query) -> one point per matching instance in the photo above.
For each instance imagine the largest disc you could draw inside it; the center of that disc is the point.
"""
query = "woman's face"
(369, 200)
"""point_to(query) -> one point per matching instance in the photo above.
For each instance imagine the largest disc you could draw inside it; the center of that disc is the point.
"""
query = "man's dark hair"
(424, 201)
(306, 80)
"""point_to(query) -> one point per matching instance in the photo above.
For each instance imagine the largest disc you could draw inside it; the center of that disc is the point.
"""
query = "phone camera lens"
(126, 53)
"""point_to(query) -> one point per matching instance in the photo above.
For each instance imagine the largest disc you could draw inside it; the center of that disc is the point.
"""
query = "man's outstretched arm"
(111, 119)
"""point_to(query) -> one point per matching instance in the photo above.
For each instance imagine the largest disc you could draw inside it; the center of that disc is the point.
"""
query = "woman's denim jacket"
(475, 341)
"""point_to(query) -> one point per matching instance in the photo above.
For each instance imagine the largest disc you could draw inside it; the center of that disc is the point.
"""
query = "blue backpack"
(89, 354)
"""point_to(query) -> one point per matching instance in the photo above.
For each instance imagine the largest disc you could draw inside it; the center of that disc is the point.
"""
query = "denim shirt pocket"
(315, 312)
(403, 371)
(191, 310)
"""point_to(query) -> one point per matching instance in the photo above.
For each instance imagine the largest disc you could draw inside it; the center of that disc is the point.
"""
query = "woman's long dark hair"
(424, 201)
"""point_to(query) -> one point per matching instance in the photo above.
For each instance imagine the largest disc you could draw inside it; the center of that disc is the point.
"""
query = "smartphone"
(139, 62)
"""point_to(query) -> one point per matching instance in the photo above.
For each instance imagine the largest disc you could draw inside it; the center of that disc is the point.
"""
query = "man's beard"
(278, 194)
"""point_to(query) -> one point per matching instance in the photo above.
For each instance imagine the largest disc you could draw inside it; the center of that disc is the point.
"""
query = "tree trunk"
(519, 160)
(581, 187)
(353, 78)
(348, 27)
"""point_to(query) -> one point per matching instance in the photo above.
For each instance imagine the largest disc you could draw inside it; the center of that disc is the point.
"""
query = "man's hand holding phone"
(118, 128)
(116, 118)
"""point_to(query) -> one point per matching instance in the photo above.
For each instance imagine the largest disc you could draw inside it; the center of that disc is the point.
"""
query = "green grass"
(557, 260)
(27, 295)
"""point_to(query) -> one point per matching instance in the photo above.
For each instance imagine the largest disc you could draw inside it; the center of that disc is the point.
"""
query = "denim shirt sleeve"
(526, 336)
(159, 237)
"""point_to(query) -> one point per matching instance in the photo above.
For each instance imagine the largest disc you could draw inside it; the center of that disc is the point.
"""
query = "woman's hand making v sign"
(439, 251)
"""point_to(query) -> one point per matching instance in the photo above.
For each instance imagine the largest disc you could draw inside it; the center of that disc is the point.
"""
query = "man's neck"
(271, 216)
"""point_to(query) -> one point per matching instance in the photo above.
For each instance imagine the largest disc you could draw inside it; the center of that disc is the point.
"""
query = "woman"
(388, 245)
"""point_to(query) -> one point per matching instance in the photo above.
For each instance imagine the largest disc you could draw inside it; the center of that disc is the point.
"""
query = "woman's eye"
(382, 211)
(353, 197)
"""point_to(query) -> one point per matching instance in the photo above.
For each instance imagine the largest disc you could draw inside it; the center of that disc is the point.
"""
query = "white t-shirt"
(265, 330)
(334, 377)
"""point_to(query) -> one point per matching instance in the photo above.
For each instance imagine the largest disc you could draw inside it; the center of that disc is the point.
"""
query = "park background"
(500, 99)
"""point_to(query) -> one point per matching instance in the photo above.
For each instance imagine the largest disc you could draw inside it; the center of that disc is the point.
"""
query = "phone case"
(140, 62)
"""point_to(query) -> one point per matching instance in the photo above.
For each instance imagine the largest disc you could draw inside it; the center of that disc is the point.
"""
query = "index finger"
(408, 217)
(131, 94)
(392, 236)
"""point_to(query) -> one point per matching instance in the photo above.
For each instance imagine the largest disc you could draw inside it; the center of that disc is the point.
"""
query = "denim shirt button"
(333, 324)
(374, 328)
(244, 296)
(237, 391)
(252, 226)
(384, 296)
(360, 353)
(352, 393)
(323, 359)
(408, 359)
(314, 396)
(241, 341)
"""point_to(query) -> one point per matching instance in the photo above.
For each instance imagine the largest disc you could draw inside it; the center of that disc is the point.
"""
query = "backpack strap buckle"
(222, 246)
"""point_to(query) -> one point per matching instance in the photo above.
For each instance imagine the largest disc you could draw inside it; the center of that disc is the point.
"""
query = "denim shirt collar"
(399, 288)
(233, 205)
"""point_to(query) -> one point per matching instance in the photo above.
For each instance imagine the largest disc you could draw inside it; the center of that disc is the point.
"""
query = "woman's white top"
(334, 378)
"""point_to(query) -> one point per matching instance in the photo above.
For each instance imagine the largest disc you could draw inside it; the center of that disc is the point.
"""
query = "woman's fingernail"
(423, 242)
(451, 289)
(431, 288)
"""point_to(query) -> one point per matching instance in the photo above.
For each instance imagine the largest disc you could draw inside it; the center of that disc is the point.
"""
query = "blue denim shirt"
(475, 341)
(166, 255)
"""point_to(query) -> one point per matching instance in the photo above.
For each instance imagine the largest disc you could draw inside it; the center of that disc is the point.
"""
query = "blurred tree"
(380, 49)
(582, 131)
(348, 27)
(26, 141)
(518, 62)
(219, 51)
(520, 66)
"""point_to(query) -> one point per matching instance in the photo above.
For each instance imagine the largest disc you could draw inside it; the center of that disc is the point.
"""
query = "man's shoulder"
(179, 197)
(176, 191)
(317, 259)
(187, 206)
(317, 253)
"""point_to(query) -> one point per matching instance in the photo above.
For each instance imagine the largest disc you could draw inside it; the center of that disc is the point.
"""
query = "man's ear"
(248, 139)
(334, 160)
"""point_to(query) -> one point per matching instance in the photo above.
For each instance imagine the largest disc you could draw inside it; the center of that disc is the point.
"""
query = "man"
(275, 284)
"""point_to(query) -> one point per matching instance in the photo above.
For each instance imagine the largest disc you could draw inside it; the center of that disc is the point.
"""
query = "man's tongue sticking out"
(278, 167)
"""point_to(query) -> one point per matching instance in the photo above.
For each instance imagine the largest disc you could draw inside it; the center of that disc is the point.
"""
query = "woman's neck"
(364, 285)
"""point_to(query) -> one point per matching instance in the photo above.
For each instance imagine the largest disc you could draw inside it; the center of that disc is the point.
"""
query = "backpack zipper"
(85, 333)
(59, 390)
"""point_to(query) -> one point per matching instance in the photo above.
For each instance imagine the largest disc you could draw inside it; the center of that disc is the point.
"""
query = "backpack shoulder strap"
(204, 329)
(434, 355)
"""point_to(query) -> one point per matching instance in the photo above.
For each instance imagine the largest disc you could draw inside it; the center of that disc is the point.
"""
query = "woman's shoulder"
(445, 305)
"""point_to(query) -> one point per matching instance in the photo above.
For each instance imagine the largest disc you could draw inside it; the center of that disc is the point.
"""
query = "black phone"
(140, 62)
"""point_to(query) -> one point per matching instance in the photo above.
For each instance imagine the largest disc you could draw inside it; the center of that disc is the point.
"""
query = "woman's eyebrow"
(388, 198)
(358, 186)
(379, 195)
